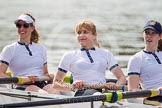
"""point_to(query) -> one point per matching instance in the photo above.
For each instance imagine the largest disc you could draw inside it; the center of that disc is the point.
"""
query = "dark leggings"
(85, 92)
(40, 84)
(155, 98)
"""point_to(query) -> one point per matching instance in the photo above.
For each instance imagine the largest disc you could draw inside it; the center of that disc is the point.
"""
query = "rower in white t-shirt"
(145, 67)
(26, 57)
(88, 65)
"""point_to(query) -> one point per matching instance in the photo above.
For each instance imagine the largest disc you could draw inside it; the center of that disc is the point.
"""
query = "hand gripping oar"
(108, 97)
(21, 80)
(70, 87)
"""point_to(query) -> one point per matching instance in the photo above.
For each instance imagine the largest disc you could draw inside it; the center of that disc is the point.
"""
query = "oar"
(67, 79)
(70, 87)
(108, 97)
(101, 86)
(25, 95)
(21, 80)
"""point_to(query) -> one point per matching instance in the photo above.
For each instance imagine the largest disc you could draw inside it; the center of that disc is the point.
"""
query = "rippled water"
(119, 24)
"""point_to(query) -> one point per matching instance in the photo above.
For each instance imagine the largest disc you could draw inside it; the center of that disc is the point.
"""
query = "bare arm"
(119, 75)
(59, 84)
(45, 70)
(3, 69)
(133, 83)
(45, 73)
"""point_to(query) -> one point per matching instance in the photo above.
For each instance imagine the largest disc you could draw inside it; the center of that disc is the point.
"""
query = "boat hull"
(12, 96)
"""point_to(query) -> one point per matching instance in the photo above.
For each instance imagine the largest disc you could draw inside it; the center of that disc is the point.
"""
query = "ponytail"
(34, 35)
(96, 43)
(160, 45)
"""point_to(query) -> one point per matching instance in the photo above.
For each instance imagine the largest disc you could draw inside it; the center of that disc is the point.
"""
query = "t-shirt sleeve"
(134, 64)
(6, 54)
(112, 63)
(65, 62)
(44, 55)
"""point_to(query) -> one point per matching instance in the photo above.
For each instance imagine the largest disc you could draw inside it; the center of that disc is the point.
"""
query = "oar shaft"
(143, 93)
(22, 80)
(25, 94)
(8, 80)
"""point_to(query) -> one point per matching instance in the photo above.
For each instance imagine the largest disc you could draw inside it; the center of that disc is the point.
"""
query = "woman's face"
(24, 30)
(85, 38)
(151, 39)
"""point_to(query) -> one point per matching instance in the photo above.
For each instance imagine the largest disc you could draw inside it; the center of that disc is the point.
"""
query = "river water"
(119, 24)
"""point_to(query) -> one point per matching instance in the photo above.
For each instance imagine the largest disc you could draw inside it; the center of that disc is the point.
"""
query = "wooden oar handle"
(121, 87)
(42, 78)
(101, 86)
(94, 86)
(23, 80)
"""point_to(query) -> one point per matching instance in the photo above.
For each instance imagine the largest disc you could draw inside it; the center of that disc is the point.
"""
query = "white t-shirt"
(24, 61)
(89, 66)
(149, 67)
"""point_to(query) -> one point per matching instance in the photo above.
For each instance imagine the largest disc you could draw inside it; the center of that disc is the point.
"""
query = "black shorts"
(40, 84)
(85, 92)
(155, 98)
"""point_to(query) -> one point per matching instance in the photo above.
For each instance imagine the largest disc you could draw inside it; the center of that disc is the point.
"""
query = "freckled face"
(85, 38)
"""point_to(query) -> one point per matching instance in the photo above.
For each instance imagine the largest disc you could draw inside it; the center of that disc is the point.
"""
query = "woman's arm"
(119, 75)
(133, 83)
(3, 69)
(45, 70)
(59, 84)
(133, 71)
(45, 73)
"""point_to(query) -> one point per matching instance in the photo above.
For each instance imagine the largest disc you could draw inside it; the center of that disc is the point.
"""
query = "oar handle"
(23, 80)
(91, 86)
(101, 86)
(94, 86)
(42, 78)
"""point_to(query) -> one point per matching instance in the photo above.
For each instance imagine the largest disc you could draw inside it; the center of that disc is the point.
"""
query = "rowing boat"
(16, 98)
(11, 97)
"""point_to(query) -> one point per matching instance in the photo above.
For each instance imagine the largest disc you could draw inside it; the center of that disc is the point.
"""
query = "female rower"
(88, 64)
(26, 57)
(145, 67)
